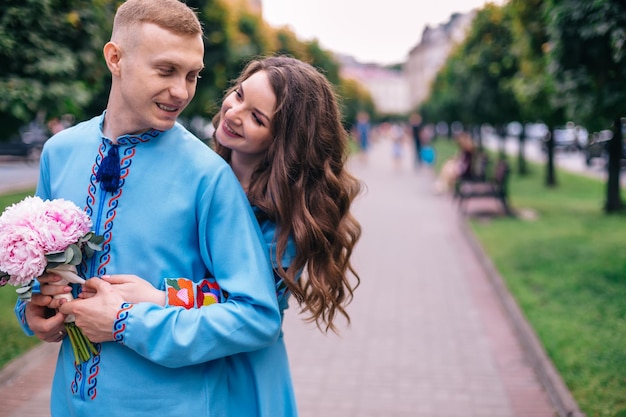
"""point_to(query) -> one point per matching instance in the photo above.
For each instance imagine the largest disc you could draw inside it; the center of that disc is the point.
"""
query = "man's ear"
(112, 56)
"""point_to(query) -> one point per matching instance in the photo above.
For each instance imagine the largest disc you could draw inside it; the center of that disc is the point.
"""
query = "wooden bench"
(494, 187)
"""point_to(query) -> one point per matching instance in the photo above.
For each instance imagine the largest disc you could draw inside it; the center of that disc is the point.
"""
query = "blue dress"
(260, 382)
(268, 387)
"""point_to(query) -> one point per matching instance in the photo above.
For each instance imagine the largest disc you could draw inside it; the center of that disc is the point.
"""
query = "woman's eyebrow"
(256, 109)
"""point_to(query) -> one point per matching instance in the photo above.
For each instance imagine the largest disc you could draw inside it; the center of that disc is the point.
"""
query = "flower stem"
(82, 347)
(70, 333)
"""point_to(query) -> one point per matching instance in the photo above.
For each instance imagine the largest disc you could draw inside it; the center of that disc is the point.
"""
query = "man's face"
(158, 78)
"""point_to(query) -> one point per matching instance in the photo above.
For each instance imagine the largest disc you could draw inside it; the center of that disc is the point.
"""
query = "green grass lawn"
(564, 262)
(13, 341)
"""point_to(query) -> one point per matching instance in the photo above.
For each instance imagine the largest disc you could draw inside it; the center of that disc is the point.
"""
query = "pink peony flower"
(23, 213)
(33, 228)
(22, 256)
(65, 224)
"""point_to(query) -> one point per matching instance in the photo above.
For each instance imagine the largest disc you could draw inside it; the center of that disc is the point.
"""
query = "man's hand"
(96, 315)
(47, 324)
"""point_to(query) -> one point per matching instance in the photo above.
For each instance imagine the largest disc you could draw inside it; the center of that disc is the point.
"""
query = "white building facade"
(429, 56)
(389, 88)
(399, 92)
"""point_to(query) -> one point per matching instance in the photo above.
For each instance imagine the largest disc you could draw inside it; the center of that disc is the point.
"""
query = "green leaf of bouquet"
(27, 296)
(87, 236)
(94, 246)
(88, 251)
(75, 256)
(96, 242)
(22, 290)
(25, 292)
(56, 257)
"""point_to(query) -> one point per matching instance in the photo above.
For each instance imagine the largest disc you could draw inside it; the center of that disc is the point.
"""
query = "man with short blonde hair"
(168, 207)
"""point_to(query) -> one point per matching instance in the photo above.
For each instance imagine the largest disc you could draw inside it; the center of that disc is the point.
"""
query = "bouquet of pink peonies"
(38, 236)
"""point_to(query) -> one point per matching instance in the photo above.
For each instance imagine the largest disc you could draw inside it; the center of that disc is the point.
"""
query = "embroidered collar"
(128, 139)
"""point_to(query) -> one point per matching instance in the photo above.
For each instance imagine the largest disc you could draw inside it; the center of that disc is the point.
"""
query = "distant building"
(253, 5)
(398, 92)
(428, 57)
(389, 88)
(256, 5)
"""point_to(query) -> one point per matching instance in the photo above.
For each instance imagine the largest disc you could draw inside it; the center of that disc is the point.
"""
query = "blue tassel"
(109, 171)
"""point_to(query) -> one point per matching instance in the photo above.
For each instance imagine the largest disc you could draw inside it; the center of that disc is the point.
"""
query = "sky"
(382, 31)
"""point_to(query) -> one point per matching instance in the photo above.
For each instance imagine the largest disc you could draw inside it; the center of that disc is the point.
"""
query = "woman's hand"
(132, 288)
(48, 290)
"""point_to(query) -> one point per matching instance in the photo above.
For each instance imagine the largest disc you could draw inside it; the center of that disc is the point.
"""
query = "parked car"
(597, 147)
(565, 138)
(569, 137)
(20, 149)
(536, 131)
(27, 143)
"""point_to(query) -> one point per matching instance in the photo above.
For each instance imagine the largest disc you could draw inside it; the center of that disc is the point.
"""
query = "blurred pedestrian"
(397, 134)
(428, 154)
(459, 166)
(55, 125)
(363, 132)
(415, 120)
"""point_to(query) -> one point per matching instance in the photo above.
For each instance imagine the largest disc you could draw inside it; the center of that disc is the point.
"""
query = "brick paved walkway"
(25, 383)
(429, 336)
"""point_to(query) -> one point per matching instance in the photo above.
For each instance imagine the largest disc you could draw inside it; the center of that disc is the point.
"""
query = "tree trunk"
(521, 157)
(613, 199)
(502, 142)
(550, 174)
(478, 138)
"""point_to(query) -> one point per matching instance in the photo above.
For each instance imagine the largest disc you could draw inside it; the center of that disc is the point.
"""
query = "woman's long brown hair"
(303, 186)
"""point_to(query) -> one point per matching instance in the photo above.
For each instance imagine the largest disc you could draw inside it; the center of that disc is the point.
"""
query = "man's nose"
(178, 89)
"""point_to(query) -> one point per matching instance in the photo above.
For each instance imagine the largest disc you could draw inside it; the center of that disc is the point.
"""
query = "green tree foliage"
(234, 34)
(445, 102)
(288, 43)
(219, 31)
(355, 98)
(531, 87)
(588, 64)
(323, 60)
(51, 52)
(474, 86)
(52, 59)
(588, 59)
(490, 67)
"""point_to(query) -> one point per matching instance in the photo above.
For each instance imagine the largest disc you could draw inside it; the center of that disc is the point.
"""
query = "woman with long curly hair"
(280, 129)
(289, 152)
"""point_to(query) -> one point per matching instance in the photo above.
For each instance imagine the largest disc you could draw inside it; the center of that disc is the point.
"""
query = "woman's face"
(246, 118)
